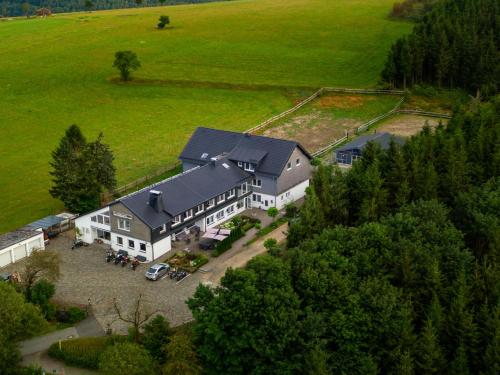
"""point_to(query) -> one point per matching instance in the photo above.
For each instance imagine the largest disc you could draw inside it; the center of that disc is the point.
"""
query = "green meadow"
(227, 65)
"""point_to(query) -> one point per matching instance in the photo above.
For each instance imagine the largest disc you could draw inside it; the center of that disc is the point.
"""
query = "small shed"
(352, 151)
(18, 244)
(54, 224)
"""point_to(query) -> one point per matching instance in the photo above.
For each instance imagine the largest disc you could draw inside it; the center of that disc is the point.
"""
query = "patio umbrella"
(220, 237)
(226, 232)
(212, 230)
(209, 235)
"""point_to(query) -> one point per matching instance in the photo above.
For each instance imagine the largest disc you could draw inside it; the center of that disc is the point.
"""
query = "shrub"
(126, 358)
(40, 294)
(83, 352)
(246, 227)
(156, 336)
(257, 226)
(226, 244)
(76, 315)
(291, 211)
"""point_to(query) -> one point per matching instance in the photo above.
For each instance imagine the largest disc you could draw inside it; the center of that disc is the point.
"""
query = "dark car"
(207, 243)
(5, 277)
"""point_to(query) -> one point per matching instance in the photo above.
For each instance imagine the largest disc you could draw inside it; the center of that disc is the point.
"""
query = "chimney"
(212, 161)
(156, 200)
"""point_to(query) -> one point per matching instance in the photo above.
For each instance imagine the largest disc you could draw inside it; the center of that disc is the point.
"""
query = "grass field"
(326, 119)
(227, 65)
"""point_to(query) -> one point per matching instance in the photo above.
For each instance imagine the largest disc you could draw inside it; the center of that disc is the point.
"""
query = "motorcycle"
(110, 256)
(125, 260)
(78, 243)
(118, 258)
(134, 264)
(173, 274)
(180, 275)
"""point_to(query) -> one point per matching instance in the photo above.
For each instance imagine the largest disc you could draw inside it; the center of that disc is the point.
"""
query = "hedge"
(84, 351)
(226, 243)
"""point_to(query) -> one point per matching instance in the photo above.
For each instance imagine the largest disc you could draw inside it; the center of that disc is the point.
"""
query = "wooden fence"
(318, 93)
(423, 113)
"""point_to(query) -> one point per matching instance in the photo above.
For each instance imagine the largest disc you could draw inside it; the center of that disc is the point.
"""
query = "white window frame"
(177, 220)
(244, 188)
(133, 244)
(219, 200)
(289, 166)
(230, 209)
(145, 247)
(189, 214)
(257, 182)
(210, 220)
(119, 240)
(249, 167)
(199, 209)
(220, 215)
(240, 164)
(211, 203)
(163, 228)
(297, 162)
(232, 193)
(122, 225)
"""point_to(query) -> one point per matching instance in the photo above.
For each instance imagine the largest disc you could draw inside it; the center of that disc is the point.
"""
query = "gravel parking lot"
(85, 275)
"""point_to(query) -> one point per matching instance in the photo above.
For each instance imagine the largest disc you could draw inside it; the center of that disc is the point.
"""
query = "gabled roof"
(382, 139)
(272, 153)
(185, 191)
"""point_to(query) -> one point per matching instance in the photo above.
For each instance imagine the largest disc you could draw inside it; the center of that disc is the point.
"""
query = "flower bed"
(186, 261)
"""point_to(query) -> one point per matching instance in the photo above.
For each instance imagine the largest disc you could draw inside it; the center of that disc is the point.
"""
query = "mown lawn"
(228, 65)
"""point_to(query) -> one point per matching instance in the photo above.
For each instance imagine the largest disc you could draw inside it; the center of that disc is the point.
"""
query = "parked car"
(157, 271)
(207, 243)
(5, 277)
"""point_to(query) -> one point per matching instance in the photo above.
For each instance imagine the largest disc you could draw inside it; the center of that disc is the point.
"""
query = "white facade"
(220, 216)
(265, 201)
(21, 249)
(94, 225)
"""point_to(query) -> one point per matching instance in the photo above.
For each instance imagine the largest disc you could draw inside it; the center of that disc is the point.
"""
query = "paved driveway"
(86, 275)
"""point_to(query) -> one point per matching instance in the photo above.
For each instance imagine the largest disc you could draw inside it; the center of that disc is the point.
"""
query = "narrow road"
(242, 255)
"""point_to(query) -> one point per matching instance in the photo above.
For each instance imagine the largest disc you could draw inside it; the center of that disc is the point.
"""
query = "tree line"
(10, 8)
(390, 268)
(455, 45)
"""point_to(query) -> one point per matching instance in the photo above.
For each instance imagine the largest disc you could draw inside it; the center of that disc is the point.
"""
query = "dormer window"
(231, 193)
(244, 188)
(257, 182)
(221, 198)
(163, 228)
(240, 164)
(249, 167)
(189, 214)
(204, 155)
(177, 220)
(198, 209)
(211, 203)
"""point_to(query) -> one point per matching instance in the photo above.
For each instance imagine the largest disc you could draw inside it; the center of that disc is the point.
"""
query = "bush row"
(84, 351)
(226, 244)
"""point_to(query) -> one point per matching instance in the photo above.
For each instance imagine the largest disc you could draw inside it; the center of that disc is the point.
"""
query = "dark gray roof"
(186, 191)
(382, 139)
(241, 153)
(46, 222)
(217, 142)
(11, 238)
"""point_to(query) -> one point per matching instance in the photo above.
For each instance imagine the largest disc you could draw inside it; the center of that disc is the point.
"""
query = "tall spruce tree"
(81, 171)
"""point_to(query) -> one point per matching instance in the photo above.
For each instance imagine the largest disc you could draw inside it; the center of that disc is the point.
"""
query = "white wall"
(85, 225)
(148, 254)
(162, 247)
(21, 249)
(292, 195)
(271, 201)
(226, 215)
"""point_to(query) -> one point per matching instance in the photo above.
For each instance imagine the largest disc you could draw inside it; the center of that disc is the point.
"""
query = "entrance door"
(266, 203)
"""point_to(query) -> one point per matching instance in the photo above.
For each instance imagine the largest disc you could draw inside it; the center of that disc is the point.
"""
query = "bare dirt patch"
(314, 130)
(408, 125)
(341, 101)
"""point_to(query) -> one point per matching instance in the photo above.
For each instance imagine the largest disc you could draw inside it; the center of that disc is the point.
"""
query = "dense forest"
(11, 8)
(456, 44)
(391, 268)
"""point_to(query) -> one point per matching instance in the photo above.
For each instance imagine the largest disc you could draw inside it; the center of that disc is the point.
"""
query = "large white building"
(224, 174)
